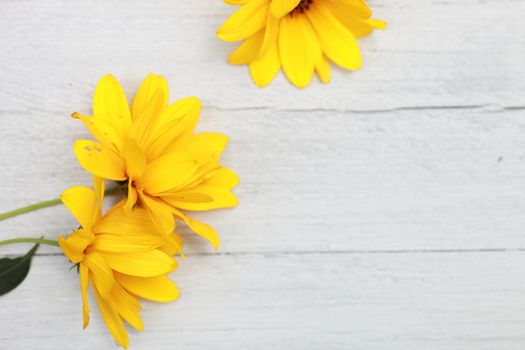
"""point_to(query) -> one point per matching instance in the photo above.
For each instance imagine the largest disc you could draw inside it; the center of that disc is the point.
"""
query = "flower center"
(123, 185)
(303, 6)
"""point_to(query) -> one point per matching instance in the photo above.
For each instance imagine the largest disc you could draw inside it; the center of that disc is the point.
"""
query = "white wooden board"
(382, 211)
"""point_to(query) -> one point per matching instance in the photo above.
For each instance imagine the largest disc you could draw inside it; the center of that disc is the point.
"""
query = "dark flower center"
(303, 6)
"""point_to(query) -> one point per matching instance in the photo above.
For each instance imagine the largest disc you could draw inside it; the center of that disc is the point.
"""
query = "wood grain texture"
(382, 211)
(315, 301)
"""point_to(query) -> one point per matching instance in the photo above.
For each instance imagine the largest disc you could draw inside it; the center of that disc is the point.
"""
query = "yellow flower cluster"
(163, 168)
(301, 36)
(152, 152)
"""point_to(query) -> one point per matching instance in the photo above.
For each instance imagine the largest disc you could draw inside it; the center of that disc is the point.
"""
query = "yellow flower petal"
(359, 26)
(73, 255)
(75, 245)
(131, 200)
(222, 177)
(128, 243)
(110, 105)
(112, 320)
(279, 8)
(204, 147)
(204, 173)
(298, 56)
(245, 22)
(100, 272)
(271, 34)
(135, 159)
(151, 86)
(143, 264)
(355, 7)
(264, 69)
(160, 288)
(142, 128)
(100, 160)
(101, 130)
(378, 24)
(248, 50)
(80, 240)
(174, 125)
(126, 306)
(202, 198)
(82, 203)
(200, 228)
(160, 213)
(167, 172)
(83, 273)
(135, 164)
(99, 186)
(117, 222)
(171, 248)
(322, 68)
(336, 41)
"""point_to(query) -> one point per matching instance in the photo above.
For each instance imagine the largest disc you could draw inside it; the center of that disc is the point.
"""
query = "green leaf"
(14, 271)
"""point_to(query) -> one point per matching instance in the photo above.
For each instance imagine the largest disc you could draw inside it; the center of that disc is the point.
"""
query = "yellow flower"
(298, 35)
(121, 255)
(151, 149)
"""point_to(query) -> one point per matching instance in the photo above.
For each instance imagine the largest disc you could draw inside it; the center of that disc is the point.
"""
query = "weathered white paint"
(382, 211)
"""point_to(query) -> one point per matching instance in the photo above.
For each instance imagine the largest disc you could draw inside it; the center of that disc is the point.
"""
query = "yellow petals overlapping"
(164, 168)
(121, 254)
(151, 149)
(299, 36)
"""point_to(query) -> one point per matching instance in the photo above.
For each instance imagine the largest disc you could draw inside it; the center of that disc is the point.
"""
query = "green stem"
(29, 208)
(30, 240)
(41, 205)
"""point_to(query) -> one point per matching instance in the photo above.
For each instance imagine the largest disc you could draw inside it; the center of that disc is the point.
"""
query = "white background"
(385, 210)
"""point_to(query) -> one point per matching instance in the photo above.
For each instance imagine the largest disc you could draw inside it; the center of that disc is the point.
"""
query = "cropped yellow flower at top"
(151, 149)
(298, 35)
(121, 255)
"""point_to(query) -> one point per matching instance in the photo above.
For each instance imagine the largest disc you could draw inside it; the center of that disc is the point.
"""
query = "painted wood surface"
(382, 211)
